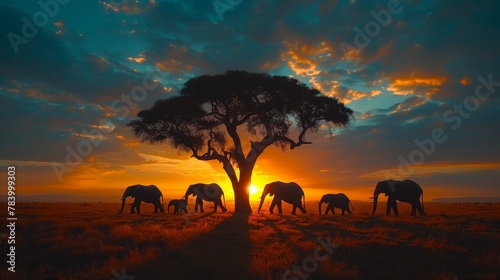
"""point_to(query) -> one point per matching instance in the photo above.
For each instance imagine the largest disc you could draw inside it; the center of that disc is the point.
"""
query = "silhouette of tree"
(211, 112)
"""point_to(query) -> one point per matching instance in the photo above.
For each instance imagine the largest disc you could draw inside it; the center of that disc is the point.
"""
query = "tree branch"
(226, 163)
(293, 144)
(259, 147)
(238, 154)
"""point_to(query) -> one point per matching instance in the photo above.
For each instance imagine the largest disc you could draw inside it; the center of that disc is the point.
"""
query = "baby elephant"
(179, 206)
(338, 200)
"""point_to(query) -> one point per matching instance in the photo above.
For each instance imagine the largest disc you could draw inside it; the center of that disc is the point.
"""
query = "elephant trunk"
(321, 202)
(189, 191)
(123, 205)
(168, 209)
(263, 196)
(375, 200)
(261, 202)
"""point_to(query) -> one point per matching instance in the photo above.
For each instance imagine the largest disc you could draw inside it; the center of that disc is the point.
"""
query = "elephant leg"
(293, 209)
(273, 204)
(394, 207)
(302, 209)
(198, 203)
(219, 203)
(419, 208)
(279, 206)
(328, 209)
(390, 203)
(160, 207)
(138, 207)
(348, 211)
(413, 210)
(343, 211)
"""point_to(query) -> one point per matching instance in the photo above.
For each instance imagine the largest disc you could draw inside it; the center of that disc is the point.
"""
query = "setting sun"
(253, 189)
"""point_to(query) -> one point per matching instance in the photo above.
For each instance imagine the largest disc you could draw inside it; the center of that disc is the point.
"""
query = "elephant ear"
(392, 185)
(134, 191)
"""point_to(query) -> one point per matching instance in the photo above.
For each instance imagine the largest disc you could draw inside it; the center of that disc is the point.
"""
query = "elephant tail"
(224, 197)
(422, 200)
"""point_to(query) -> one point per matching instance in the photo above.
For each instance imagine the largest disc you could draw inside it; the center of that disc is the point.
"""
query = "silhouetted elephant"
(179, 206)
(209, 192)
(405, 191)
(339, 200)
(149, 194)
(288, 192)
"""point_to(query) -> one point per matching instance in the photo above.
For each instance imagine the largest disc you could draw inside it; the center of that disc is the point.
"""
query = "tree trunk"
(242, 198)
(241, 192)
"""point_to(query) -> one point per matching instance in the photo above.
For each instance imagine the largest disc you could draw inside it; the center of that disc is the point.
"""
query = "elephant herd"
(404, 191)
(151, 194)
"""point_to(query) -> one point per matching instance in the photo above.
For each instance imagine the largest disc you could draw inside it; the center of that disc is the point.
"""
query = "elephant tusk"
(372, 197)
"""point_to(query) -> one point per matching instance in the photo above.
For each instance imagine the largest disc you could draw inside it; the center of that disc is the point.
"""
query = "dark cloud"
(408, 80)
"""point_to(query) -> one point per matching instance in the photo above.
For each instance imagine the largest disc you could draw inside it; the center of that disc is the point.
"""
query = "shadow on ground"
(222, 253)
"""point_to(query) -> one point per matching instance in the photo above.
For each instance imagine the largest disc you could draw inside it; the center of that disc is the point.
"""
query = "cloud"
(127, 7)
(411, 78)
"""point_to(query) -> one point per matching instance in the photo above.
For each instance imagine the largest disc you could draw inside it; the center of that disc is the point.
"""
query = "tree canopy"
(210, 112)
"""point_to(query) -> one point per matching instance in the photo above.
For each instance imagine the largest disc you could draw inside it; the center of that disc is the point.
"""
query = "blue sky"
(411, 73)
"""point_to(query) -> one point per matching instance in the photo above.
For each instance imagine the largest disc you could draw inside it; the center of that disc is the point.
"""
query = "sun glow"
(253, 189)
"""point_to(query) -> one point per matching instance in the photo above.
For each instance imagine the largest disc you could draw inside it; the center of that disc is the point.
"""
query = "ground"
(92, 241)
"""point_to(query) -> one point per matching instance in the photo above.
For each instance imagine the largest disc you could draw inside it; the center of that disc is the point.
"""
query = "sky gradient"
(422, 77)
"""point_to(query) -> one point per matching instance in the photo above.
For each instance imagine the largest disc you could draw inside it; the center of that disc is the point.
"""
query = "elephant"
(209, 192)
(149, 194)
(338, 200)
(179, 206)
(405, 191)
(291, 193)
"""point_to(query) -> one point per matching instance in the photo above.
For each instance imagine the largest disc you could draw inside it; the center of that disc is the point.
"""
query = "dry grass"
(89, 241)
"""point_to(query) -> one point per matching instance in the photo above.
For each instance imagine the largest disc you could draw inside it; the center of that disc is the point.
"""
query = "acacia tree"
(211, 112)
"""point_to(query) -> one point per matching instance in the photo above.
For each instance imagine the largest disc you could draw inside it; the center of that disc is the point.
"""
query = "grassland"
(92, 241)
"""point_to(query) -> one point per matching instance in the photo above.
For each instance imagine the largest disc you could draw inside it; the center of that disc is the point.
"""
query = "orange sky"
(173, 173)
